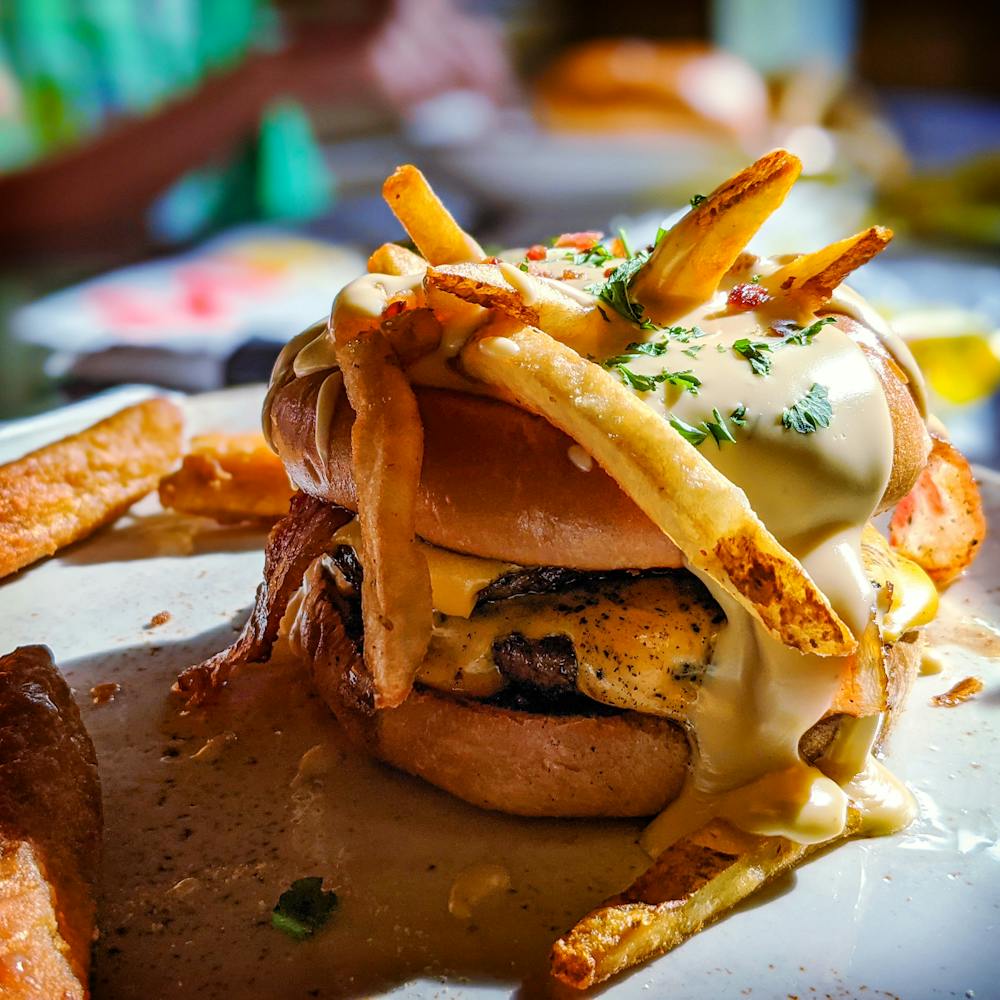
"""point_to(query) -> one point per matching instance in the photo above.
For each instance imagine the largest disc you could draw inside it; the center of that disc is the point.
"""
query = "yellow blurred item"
(956, 349)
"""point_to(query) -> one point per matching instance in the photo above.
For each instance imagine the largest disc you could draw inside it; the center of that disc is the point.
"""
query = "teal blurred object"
(778, 36)
(292, 179)
(73, 66)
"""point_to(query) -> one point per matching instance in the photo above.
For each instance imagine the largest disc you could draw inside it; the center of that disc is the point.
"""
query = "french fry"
(429, 224)
(50, 832)
(687, 264)
(391, 258)
(387, 451)
(229, 477)
(65, 491)
(940, 524)
(689, 885)
(808, 281)
(590, 330)
(484, 285)
(705, 515)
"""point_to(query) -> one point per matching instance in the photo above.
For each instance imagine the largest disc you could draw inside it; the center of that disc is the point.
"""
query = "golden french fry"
(50, 832)
(429, 224)
(484, 285)
(387, 451)
(687, 264)
(702, 512)
(391, 258)
(940, 523)
(689, 885)
(229, 477)
(592, 330)
(67, 490)
(809, 281)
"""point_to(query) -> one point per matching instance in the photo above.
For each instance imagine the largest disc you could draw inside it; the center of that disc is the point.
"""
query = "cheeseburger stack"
(583, 531)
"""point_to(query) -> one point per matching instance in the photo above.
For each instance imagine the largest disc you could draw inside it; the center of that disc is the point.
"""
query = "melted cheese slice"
(455, 579)
(641, 644)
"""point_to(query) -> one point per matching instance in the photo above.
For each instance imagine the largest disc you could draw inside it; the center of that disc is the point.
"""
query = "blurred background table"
(183, 185)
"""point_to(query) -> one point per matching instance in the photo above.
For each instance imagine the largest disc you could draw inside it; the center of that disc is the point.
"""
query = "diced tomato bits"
(617, 247)
(394, 308)
(537, 252)
(747, 296)
(579, 241)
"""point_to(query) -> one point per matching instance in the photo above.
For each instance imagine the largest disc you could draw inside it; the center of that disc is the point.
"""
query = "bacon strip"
(295, 541)
(939, 524)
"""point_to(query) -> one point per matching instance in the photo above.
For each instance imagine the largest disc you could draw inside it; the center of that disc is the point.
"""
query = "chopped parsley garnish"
(791, 333)
(697, 199)
(685, 380)
(692, 351)
(523, 266)
(597, 255)
(757, 352)
(615, 291)
(739, 416)
(303, 908)
(688, 431)
(812, 412)
(652, 348)
(657, 348)
(716, 428)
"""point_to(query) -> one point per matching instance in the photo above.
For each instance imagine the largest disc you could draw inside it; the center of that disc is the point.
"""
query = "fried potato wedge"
(591, 330)
(299, 538)
(689, 885)
(387, 451)
(50, 832)
(808, 281)
(65, 491)
(687, 264)
(702, 512)
(940, 524)
(429, 224)
(485, 285)
(391, 258)
(229, 477)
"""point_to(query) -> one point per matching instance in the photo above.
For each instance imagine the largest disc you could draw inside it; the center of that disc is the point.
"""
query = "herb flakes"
(303, 908)
(809, 414)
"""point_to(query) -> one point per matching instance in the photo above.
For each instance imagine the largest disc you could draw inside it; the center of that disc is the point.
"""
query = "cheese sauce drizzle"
(815, 492)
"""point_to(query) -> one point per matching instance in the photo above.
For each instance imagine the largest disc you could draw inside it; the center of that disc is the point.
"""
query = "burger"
(497, 467)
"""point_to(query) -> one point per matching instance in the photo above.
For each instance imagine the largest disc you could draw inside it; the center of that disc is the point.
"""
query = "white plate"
(198, 848)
